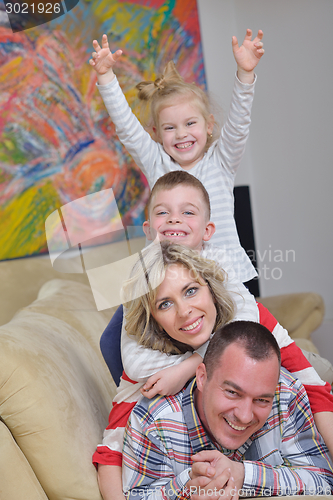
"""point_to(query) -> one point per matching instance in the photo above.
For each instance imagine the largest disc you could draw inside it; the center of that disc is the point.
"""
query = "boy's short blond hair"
(174, 179)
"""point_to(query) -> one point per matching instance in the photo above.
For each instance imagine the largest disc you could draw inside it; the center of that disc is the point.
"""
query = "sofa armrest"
(55, 390)
(18, 480)
(299, 313)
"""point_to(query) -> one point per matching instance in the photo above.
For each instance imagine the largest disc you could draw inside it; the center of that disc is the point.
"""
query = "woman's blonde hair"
(162, 93)
(140, 290)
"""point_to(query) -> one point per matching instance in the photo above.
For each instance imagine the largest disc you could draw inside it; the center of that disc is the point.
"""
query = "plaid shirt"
(286, 456)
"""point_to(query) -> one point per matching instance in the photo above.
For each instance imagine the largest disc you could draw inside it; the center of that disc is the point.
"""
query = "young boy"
(179, 211)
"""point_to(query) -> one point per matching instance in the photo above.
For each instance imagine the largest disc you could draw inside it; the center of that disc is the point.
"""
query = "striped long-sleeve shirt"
(216, 170)
(285, 457)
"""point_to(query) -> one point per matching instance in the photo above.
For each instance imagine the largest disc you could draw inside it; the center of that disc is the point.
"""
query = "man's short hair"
(174, 179)
(258, 342)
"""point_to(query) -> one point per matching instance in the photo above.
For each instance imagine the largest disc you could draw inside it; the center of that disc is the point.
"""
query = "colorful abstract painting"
(57, 143)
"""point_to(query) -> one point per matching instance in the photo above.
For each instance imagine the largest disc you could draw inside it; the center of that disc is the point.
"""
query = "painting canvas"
(57, 143)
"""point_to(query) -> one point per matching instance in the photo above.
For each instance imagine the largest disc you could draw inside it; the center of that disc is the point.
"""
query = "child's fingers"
(259, 47)
(96, 45)
(117, 54)
(259, 36)
(93, 60)
(234, 42)
(105, 42)
(248, 35)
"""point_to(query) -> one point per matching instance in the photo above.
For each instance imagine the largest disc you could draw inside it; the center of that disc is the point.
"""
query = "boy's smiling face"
(179, 215)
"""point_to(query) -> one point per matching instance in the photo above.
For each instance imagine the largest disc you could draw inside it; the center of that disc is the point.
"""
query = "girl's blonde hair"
(140, 290)
(169, 86)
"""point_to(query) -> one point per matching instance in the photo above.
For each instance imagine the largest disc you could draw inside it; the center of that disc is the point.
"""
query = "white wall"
(288, 162)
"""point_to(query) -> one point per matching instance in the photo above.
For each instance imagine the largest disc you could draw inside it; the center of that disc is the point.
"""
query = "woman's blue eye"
(191, 123)
(164, 305)
(191, 291)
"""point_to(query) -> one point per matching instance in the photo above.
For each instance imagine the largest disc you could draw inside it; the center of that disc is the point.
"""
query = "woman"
(174, 300)
(163, 271)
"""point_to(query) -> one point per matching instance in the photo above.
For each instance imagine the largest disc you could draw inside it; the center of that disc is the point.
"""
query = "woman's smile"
(193, 327)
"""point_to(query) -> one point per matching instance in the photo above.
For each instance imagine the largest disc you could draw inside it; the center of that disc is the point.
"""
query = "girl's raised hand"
(249, 53)
(103, 60)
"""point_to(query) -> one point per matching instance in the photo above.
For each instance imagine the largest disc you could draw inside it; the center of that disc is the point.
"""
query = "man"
(248, 426)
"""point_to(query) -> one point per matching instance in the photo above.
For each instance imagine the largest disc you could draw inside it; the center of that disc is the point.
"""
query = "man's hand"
(248, 55)
(213, 470)
(220, 487)
(103, 61)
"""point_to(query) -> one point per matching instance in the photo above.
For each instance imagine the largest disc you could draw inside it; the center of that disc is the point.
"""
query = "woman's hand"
(248, 55)
(103, 61)
(171, 380)
(165, 382)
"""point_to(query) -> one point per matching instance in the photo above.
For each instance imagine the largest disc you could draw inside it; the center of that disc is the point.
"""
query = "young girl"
(183, 126)
(143, 319)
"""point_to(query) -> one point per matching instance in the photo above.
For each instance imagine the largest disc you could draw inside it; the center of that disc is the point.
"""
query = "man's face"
(179, 215)
(238, 398)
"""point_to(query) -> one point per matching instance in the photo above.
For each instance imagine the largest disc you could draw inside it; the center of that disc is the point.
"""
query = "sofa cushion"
(21, 280)
(299, 313)
(55, 389)
(74, 303)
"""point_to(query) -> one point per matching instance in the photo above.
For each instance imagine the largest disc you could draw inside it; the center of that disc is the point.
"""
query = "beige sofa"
(55, 389)
(55, 396)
